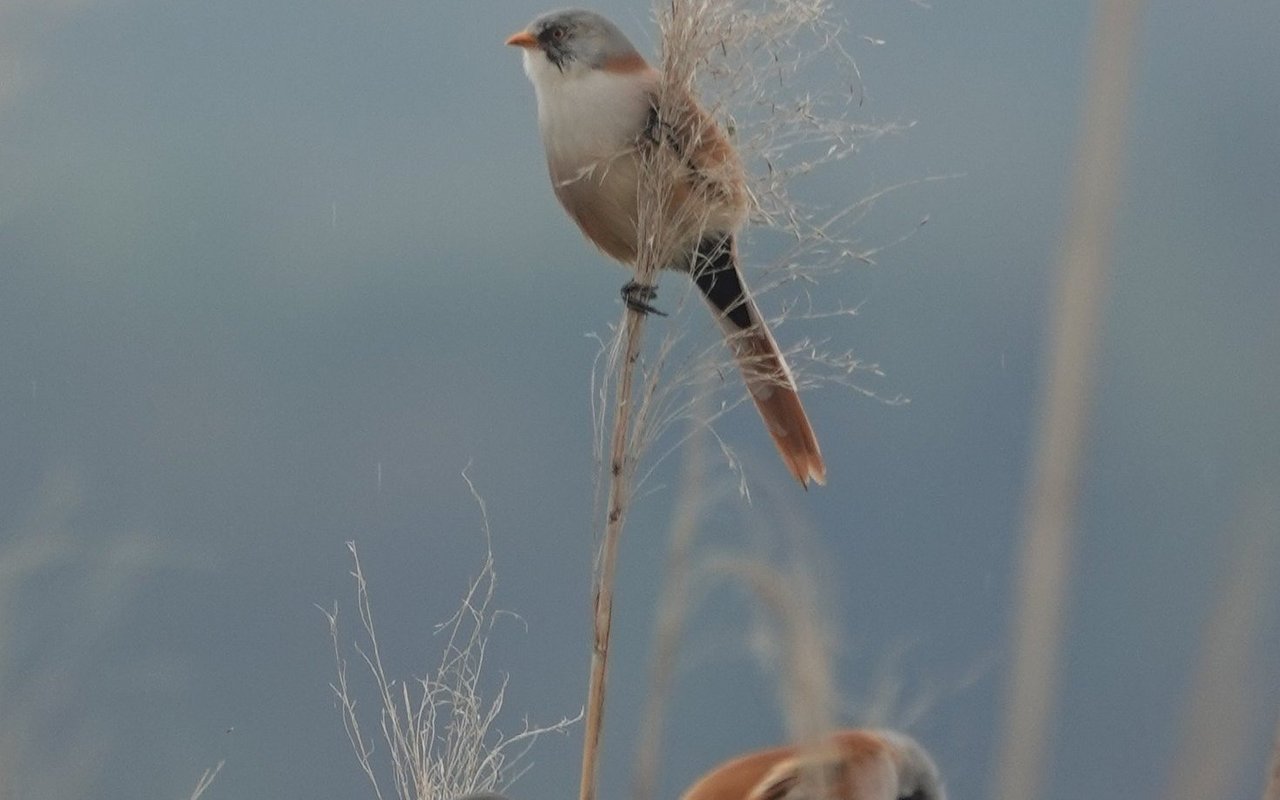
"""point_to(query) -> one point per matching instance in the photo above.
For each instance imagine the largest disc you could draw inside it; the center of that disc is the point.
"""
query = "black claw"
(637, 297)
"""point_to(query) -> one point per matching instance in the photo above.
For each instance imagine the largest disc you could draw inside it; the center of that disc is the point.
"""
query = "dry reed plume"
(740, 58)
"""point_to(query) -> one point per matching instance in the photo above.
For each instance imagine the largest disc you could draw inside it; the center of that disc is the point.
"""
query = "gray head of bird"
(571, 43)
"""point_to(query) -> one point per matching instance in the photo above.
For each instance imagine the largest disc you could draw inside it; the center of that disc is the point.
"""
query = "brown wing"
(709, 193)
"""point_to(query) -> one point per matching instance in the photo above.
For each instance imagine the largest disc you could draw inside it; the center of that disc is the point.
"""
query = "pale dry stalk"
(1215, 729)
(808, 692)
(807, 689)
(622, 469)
(1272, 790)
(1046, 549)
(657, 226)
(748, 52)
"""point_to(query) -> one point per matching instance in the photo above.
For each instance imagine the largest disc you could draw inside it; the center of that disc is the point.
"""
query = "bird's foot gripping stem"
(637, 297)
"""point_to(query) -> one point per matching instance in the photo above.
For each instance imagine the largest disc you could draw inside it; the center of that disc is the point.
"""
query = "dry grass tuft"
(438, 731)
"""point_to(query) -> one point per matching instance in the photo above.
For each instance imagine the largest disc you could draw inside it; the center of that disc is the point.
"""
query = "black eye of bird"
(557, 33)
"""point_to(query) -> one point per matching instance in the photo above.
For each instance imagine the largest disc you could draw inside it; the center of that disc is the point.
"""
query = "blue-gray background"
(273, 274)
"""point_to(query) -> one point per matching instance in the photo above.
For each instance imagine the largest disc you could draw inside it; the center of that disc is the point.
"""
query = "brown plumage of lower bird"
(856, 764)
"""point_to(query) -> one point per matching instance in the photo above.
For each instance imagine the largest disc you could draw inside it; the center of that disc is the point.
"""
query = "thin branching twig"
(438, 731)
(206, 780)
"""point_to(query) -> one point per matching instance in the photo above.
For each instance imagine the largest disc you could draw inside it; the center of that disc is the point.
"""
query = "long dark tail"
(715, 271)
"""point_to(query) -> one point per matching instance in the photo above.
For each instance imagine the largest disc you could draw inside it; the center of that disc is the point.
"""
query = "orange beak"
(522, 39)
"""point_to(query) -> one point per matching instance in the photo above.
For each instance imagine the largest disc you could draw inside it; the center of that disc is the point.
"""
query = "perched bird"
(601, 109)
(853, 765)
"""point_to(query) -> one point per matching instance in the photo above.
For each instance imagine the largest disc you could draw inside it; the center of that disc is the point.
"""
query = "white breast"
(590, 120)
(586, 114)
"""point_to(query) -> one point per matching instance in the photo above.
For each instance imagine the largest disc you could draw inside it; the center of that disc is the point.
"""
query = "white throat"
(585, 114)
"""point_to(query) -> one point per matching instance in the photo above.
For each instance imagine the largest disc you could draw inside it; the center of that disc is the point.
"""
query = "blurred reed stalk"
(1216, 725)
(807, 689)
(673, 606)
(807, 693)
(1073, 340)
(1272, 790)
